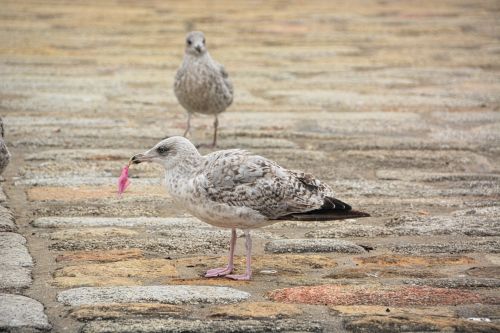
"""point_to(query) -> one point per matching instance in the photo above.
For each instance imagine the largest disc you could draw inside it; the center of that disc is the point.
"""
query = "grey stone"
(6, 220)
(460, 283)
(470, 225)
(493, 212)
(195, 326)
(71, 121)
(81, 154)
(14, 277)
(418, 175)
(178, 294)
(350, 231)
(20, 312)
(312, 245)
(82, 181)
(14, 251)
(15, 262)
(125, 222)
(458, 246)
(165, 240)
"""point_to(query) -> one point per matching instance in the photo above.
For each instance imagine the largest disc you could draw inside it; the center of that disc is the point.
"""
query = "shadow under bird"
(237, 189)
(201, 84)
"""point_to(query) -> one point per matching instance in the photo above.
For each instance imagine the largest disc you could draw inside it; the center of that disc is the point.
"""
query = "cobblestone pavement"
(395, 104)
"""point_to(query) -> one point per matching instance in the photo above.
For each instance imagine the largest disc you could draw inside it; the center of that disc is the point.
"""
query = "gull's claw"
(239, 277)
(222, 271)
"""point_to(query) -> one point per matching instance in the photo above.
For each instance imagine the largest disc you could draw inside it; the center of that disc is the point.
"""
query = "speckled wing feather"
(238, 178)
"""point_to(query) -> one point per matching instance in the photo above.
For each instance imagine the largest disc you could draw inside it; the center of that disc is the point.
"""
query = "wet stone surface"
(394, 104)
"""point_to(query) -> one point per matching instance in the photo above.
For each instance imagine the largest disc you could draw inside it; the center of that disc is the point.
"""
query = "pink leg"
(225, 270)
(248, 271)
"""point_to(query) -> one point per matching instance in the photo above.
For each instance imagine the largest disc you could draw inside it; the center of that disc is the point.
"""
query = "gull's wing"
(238, 178)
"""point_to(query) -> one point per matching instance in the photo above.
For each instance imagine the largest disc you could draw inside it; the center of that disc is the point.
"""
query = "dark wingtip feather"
(326, 215)
(335, 204)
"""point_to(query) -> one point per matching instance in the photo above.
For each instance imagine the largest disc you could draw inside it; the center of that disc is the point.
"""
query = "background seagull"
(201, 84)
(237, 189)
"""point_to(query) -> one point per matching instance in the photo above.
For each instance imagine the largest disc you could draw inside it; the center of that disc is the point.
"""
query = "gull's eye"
(203, 41)
(189, 42)
(162, 150)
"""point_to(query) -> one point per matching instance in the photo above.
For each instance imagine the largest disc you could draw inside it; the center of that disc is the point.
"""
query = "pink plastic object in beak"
(123, 181)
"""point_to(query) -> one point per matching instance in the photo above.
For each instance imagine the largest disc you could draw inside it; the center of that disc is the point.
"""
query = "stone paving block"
(380, 324)
(376, 295)
(121, 311)
(256, 310)
(486, 245)
(20, 312)
(395, 260)
(60, 121)
(459, 283)
(98, 194)
(425, 176)
(350, 231)
(124, 222)
(312, 245)
(470, 225)
(484, 272)
(14, 251)
(195, 326)
(100, 256)
(51, 182)
(14, 276)
(169, 241)
(383, 272)
(6, 220)
(162, 294)
(81, 154)
(279, 263)
(15, 262)
(129, 272)
(82, 233)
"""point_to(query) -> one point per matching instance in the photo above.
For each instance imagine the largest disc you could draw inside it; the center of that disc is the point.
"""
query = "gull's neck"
(190, 58)
(184, 166)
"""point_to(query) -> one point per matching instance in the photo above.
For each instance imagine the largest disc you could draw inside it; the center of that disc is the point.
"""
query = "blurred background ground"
(395, 104)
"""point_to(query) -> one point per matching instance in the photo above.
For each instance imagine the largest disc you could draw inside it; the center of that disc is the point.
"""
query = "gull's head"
(168, 152)
(195, 43)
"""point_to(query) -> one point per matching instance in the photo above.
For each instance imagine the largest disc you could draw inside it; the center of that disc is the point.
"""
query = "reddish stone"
(375, 295)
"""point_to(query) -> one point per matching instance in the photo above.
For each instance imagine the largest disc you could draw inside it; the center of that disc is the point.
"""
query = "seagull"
(201, 84)
(4, 152)
(237, 189)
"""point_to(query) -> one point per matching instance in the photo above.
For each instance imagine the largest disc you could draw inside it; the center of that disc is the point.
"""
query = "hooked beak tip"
(136, 159)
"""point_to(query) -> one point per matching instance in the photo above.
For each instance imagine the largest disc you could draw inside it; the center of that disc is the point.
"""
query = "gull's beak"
(139, 158)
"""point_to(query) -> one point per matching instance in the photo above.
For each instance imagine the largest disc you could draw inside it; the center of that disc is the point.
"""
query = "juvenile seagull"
(236, 189)
(201, 84)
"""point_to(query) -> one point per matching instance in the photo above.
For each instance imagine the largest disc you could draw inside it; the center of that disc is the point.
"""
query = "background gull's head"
(195, 43)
